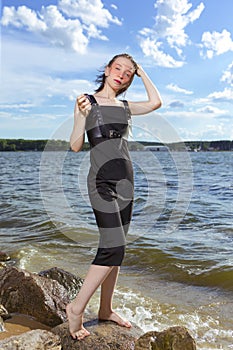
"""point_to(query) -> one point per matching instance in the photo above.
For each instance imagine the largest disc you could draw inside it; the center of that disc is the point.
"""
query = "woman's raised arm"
(154, 100)
(81, 110)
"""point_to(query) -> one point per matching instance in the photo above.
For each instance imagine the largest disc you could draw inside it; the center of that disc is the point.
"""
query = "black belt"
(108, 134)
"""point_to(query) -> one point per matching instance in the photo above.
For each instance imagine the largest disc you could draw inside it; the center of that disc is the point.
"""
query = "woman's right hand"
(83, 104)
(139, 70)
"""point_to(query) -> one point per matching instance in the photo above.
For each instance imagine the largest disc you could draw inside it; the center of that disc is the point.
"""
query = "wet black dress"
(110, 178)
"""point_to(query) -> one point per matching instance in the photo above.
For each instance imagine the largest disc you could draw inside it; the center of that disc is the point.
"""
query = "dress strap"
(126, 105)
(92, 99)
(98, 114)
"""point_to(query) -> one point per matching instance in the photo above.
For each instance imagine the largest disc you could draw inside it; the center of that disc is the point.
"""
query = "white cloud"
(176, 88)
(176, 104)
(114, 6)
(152, 48)
(63, 32)
(207, 131)
(216, 43)
(86, 17)
(89, 11)
(227, 76)
(212, 110)
(33, 90)
(222, 96)
(4, 115)
(60, 71)
(173, 16)
(185, 115)
(216, 131)
(17, 106)
(22, 17)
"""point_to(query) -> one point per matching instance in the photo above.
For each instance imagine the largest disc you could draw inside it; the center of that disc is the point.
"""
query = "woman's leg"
(107, 289)
(95, 277)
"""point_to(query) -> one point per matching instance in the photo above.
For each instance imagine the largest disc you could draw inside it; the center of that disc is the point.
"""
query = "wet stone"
(4, 256)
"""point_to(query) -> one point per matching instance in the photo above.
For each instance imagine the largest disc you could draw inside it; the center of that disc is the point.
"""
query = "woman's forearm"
(77, 135)
(153, 95)
(154, 100)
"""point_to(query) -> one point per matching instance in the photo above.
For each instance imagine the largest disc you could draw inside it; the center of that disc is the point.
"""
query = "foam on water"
(151, 314)
(148, 307)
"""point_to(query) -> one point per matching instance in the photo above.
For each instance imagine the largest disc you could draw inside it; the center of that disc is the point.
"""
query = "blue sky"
(51, 52)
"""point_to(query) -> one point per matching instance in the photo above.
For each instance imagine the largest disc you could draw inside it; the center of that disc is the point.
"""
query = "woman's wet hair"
(100, 79)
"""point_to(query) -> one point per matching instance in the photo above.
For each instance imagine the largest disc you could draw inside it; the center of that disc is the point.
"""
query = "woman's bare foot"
(113, 316)
(76, 328)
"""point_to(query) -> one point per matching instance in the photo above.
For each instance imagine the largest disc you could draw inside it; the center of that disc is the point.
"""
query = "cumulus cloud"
(173, 16)
(22, 17)
(227, 76)
(216, 43)
(17, 106)
(176, 88)
(176, 104)
(216, 132)
(222, 96)
(114, 6)
(88, 11)
(209, 131)
(71, 24)
(152, 48)
(211, 110)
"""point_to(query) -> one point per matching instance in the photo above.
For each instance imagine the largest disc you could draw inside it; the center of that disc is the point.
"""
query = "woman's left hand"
(84, 104)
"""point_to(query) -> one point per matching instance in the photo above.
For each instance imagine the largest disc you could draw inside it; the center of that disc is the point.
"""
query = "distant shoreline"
(14, 145)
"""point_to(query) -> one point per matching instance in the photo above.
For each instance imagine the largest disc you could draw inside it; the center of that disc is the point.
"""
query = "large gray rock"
(4, 256)
(27, 293)
(104, 336)
(173, 338)
(2, 327)
(3, 312)
(3, 316)
(71, 282)
(32, 340)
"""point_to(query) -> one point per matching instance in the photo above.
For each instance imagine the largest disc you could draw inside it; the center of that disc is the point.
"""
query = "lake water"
(178, 268)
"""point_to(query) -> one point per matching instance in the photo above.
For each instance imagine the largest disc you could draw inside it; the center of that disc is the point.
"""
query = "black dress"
(110, 178)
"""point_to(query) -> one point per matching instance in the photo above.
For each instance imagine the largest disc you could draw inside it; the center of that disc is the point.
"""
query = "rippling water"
(179, 263)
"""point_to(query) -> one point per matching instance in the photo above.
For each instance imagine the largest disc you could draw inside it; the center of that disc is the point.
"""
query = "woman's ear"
(106, 72)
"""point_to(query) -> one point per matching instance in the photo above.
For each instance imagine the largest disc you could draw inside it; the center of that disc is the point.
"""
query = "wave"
(172, 266)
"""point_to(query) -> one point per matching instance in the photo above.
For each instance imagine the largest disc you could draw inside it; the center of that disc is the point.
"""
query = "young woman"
(107, 122)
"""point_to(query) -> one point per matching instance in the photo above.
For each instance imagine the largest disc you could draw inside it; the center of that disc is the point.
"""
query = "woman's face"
(120, 74)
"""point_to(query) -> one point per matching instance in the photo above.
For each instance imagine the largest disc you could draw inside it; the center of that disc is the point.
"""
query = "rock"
(173, 338)
(27, 293)
(104, 336)
(4, 256)
(3, 316)
(2, 328)
(4, 313)
(32, 340)
(71, 282)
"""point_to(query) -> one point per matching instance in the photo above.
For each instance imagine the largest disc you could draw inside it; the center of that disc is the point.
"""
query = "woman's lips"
(117, 81)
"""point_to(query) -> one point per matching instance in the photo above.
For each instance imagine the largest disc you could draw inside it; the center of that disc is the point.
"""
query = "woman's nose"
(121, 75)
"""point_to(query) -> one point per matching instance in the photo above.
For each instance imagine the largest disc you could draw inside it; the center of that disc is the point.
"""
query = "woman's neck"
(107, 93)
(105, 96)
(104, 100)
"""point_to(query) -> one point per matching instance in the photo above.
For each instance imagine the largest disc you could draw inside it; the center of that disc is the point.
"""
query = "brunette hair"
(100, 79)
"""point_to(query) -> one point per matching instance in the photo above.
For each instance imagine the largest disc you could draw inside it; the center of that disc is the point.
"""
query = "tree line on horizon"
(14, 145)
